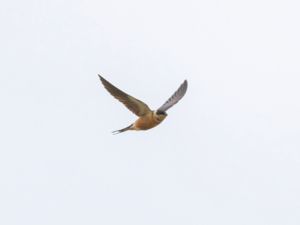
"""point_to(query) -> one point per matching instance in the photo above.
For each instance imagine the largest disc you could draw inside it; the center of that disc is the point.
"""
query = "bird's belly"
(145, 123)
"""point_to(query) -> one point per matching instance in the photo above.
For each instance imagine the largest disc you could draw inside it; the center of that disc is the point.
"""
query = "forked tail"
(122, 130)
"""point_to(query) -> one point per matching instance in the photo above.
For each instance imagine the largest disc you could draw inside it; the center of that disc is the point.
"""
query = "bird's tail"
(122, 130)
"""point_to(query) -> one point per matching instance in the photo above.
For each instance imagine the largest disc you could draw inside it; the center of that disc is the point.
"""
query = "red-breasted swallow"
(147, 118)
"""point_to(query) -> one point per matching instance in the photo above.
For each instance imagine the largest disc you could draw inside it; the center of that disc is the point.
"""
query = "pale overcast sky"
(228, 153)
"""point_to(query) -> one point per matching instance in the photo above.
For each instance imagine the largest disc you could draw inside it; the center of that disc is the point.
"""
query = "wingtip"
(185, 83)
(102, 79)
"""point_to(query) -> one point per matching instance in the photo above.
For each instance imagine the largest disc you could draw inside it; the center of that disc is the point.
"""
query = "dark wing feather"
(175, 97)
(134, 105)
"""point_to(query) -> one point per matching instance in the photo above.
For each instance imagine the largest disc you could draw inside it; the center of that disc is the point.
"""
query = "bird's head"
(160, 115)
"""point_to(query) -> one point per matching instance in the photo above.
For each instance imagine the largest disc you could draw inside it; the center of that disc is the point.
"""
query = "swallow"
(147, 118)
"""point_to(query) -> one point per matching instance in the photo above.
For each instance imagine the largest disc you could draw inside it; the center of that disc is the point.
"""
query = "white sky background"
(228, 153)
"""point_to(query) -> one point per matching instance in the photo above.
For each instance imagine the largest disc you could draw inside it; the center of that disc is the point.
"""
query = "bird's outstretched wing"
(175, 97)
(134, 105)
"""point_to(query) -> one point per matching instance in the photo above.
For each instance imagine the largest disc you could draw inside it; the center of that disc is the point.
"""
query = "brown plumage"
(147, 118)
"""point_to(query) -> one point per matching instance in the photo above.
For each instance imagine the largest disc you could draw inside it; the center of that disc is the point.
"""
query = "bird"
(147, 118)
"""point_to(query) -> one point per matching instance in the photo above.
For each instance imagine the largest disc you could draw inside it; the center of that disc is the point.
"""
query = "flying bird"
(147, 118)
